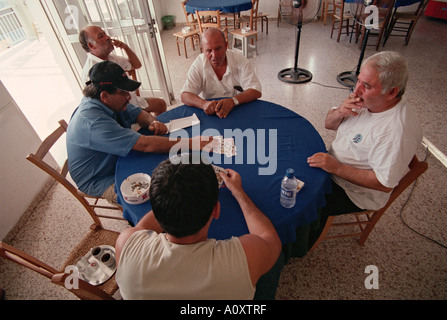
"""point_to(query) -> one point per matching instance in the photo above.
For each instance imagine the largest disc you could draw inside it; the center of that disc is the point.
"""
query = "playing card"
(217, 170)
(225, 146)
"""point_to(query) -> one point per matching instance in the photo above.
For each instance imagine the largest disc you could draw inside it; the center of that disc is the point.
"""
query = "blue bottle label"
(287, 193)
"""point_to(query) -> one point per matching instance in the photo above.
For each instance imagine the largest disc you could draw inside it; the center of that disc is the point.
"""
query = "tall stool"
(246, 49)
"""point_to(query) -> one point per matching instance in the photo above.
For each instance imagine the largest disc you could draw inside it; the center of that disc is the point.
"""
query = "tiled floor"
(408, 244)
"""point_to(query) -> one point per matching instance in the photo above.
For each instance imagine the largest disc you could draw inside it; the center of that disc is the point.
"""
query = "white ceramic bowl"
(135, 189)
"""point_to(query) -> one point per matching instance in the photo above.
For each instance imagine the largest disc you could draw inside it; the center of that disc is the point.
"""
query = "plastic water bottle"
(288, 189)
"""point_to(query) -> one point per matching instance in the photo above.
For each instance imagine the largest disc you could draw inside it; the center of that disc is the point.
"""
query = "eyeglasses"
(122, 92)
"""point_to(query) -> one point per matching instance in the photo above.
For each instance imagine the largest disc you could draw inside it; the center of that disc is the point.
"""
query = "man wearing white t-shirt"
(377, 136)
(219, 73)
(99, 47)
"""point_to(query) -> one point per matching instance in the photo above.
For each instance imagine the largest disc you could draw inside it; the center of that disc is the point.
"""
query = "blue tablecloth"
(222, 5)
(296, 139)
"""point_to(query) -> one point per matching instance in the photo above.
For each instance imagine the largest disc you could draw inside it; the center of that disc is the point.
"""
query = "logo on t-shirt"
(357, 138)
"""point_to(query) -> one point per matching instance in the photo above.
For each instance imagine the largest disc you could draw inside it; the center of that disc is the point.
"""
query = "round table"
(269, 139)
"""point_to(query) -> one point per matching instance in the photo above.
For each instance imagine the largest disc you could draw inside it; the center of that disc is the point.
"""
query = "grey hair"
(392, 68)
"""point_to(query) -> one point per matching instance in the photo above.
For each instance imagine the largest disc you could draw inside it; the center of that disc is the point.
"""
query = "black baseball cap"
(108, 73)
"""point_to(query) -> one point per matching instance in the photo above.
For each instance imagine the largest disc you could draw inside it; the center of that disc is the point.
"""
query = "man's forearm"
(333, 120)
(363, 178)
(248, 95)
(133, 58)
(257, 222)
(192, 100)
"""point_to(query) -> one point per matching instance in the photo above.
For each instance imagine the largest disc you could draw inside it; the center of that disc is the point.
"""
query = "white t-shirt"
(123, 63)
(384, 142)
(203, 81)
(152, 267)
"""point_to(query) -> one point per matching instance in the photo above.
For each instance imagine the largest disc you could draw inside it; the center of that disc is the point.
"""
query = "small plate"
(93, 270)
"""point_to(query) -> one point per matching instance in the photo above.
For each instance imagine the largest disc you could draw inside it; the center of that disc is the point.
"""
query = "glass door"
(131, 21)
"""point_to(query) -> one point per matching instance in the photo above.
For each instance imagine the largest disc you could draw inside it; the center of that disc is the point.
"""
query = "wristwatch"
(236, 101)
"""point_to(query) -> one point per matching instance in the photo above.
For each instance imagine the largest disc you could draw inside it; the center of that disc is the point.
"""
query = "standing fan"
(370, 14)
(297, 12)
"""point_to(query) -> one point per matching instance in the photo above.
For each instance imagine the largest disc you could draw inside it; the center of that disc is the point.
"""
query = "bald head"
(213, 34)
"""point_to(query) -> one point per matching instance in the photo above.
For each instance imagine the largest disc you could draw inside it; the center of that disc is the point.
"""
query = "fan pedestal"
(295, 74)
(349, 78)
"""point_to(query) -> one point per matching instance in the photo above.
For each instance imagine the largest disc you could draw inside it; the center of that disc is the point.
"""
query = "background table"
(297, 139)
(233, 6)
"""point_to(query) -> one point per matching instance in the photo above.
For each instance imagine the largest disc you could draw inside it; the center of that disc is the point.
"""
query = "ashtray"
(98, 265)
(135, 188)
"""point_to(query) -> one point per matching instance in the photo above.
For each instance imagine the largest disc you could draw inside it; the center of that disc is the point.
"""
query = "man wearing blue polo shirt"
(100, 131)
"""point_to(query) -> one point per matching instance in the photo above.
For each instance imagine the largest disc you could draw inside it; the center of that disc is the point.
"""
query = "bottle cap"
(290, 173)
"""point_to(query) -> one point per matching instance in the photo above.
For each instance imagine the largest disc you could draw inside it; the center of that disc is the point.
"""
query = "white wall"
(20, 180)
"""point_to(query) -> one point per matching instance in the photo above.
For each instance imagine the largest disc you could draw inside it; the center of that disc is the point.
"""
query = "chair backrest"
(422, 5)
(416, 169)
(133, 74)
(208, 19)
(84, 290)
(38, 159)
(253, 13)
(189, 15)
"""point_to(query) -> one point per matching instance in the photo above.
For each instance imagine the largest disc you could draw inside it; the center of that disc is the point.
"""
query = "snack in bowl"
(135, 188)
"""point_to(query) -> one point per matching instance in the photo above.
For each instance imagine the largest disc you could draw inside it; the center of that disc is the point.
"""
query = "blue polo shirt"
(95, 140)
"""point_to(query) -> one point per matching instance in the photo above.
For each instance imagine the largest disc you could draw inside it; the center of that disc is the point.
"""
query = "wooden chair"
(133, 74)
(250, 19)
(263, 17)
(371, 217)
(97, 235)
(284, 10)
(404, 22)
(385, 15)
(340, 17)
(211, 19)
(327, 10)
(252, 35)
(60, 176)
(84, 291)
(191, 20)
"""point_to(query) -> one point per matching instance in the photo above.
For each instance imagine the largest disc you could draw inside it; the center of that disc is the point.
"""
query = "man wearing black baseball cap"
(100, 130)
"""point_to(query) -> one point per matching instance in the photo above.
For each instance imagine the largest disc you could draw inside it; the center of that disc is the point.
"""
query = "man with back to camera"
(168, 255)
(377, 136)
(100, 131)
(99, 47)
(219, 73)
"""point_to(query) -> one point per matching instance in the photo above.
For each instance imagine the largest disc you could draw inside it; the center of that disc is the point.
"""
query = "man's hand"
(119, 44)
(224, 107)
(210, 107)
(324, 161)
(351, 105)
(233, 182)
(158, 128)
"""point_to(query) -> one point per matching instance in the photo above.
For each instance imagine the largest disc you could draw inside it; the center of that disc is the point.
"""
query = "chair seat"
(94, 238)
